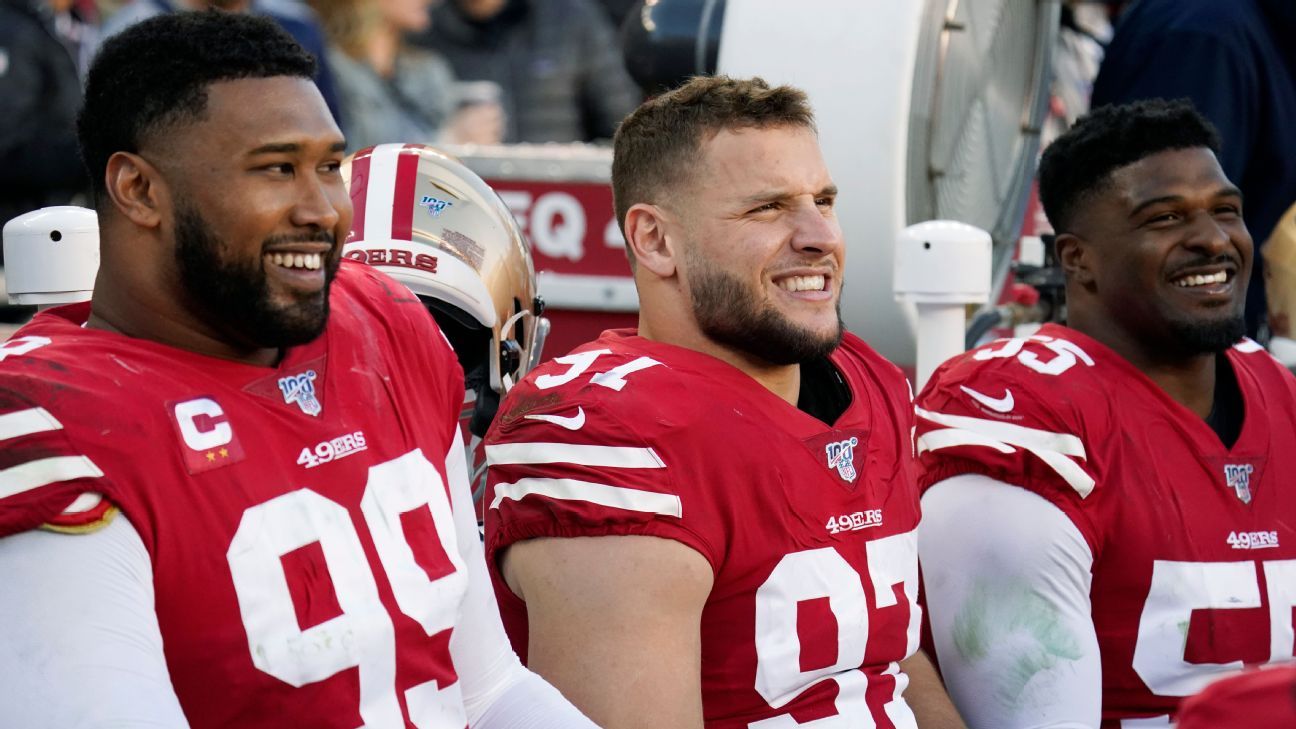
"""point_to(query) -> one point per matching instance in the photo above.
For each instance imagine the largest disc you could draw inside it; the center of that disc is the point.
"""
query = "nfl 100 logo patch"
(300, 389)
(841, 456)
(1238, 478)
(434, 205)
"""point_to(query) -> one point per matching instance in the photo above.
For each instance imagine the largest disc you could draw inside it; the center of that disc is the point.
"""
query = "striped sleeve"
(609, 458)
(44, 478)
(602, 479)
(1061, 454)
(983, 422)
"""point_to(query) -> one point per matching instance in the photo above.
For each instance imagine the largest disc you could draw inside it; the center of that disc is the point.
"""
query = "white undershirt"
(1007, 578)
(80, 644)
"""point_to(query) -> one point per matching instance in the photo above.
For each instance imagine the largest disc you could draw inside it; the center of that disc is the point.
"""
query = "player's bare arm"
(926, 695)
(614, 625)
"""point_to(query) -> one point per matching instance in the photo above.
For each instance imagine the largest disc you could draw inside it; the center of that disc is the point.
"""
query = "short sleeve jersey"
(1193, 543)
(809, 528)
(297, 517)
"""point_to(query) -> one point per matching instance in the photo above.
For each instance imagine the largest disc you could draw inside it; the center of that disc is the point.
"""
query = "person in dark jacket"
(295, 17)
(1236, 62)
(40, 94)
(557, 61)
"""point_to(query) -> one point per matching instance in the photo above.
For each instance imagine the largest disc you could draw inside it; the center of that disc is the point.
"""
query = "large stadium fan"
(927, 109)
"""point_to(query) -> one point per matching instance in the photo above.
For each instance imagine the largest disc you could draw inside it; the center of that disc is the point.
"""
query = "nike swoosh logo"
(570, 422)
(999, 405)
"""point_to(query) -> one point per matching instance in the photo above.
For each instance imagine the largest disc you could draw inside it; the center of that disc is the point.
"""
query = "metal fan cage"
(980, 94)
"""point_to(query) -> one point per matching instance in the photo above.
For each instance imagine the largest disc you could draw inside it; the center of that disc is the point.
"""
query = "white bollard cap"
(51, 255)
(943, 262)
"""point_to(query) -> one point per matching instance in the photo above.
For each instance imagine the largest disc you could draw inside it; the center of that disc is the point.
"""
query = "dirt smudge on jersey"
(519, 407)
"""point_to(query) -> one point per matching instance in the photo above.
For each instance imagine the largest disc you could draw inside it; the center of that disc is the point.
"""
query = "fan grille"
(978, 101)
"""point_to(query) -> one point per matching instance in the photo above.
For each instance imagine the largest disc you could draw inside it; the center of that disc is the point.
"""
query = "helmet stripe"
(403, 204)
(381, 189)
(359, 195)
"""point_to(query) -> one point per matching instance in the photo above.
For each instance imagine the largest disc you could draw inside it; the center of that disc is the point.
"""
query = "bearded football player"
(1108, 523)
(710, 520)
(232, 489)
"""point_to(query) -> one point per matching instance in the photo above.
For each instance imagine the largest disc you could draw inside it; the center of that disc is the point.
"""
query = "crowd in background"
(434, 71)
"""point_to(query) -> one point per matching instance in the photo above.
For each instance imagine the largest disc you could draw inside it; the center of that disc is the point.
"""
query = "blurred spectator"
(78, 27)
(617, 10)
(557, 61)
(1237, 62)
(1280, 287)
(390, 91)
(1086, 30)
(291, 15)
(40, 93)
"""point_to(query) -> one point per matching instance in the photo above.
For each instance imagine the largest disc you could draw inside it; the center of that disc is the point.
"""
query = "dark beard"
(236, 297)
(1211, 337)
(727, 313)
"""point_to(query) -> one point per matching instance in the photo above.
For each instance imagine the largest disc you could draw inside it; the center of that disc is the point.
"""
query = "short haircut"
(1080, 162)
(656, 147)
(156, 73)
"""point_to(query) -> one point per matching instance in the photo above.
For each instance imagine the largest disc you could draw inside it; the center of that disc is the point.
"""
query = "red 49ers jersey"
(297, 517)
(1194, 544)
(809, 528)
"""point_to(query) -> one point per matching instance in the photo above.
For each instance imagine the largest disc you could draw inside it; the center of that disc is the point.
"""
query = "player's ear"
(136, 188)
(1075, 254)
(647, 236)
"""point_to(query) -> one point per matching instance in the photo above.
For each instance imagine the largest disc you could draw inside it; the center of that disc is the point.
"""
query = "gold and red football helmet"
(432, 224)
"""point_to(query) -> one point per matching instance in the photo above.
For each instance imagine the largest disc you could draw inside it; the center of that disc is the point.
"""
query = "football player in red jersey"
(232, 491)
(710, 520)
(1108, 523)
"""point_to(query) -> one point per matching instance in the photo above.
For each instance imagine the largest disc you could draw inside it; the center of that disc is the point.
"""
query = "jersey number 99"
(362, 636)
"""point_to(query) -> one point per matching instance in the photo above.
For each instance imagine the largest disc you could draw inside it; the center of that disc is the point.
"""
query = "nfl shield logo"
(841, 456)
(300, 389)
(1238, 478)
